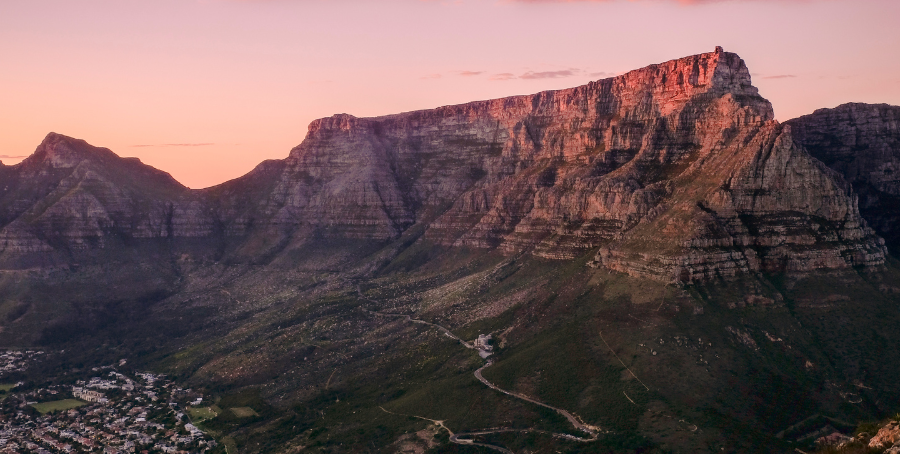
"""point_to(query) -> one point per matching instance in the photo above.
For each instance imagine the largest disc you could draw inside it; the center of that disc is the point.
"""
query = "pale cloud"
(548, 74)
(6, 156)
(558, 74)
(503, 76)
(469, 73)
(780, 76)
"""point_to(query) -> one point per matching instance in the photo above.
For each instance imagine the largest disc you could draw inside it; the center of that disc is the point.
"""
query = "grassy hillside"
(735, 365)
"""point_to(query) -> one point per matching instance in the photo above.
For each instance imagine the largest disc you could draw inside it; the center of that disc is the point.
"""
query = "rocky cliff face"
(862, 143)
(676, 171)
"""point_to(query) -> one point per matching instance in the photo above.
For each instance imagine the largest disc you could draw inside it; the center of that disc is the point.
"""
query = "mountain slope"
(862, 143)
(686, 148)
(651, 252)
(70, 196)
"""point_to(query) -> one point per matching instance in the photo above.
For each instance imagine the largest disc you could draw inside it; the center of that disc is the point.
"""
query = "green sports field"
(58, 405)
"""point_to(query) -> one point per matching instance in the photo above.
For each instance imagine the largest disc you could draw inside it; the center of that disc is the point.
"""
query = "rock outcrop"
(862, 143)
(887, 436)
(676, 172)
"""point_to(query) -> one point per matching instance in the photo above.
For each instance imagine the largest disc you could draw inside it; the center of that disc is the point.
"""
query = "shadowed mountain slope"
(69, 197)
(862, 143)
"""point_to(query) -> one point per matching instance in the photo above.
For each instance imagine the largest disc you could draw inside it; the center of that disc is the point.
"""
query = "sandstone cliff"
(862, 143)
(676, 171)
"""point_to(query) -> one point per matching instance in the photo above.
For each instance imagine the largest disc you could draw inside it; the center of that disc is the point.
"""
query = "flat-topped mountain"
(676, 172)
(653, 255)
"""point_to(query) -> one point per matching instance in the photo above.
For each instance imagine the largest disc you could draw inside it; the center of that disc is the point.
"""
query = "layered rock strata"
(862, 143)
(676, 171)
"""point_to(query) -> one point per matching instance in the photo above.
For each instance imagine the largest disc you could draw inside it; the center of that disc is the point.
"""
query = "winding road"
(576, 422)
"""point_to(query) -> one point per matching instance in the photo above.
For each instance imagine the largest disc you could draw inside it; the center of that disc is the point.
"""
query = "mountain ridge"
(556, 173)
(660, 224)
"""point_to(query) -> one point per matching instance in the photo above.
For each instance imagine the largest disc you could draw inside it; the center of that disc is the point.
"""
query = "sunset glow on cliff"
(206, 89)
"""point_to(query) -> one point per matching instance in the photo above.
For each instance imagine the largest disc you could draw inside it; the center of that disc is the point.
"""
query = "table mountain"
(676, 171)
(749, 313)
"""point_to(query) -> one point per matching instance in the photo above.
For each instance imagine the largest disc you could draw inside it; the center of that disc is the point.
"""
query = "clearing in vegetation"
(243, 412)
(58, 405)
(200, 414)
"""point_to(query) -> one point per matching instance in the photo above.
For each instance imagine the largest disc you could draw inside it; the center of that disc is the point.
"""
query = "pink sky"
(206, 89)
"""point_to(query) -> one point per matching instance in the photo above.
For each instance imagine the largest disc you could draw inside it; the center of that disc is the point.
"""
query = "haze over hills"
(659, 222)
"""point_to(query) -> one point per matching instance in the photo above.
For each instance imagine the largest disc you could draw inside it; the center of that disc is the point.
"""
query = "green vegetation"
(243, 412)
(720, 372)
(58, 405)
(230, 445)
(200, 414)
(4, 389)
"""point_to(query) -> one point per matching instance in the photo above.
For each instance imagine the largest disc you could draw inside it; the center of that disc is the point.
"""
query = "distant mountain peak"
(60, 151)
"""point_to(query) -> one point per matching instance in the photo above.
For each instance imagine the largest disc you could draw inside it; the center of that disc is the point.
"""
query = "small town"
(111, 412)
(16, 361)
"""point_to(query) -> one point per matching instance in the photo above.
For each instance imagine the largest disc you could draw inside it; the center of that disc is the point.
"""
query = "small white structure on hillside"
(484, 342)
(483, 345)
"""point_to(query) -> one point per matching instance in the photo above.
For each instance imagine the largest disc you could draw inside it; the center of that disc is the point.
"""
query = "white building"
(484, 342)
(88, 395)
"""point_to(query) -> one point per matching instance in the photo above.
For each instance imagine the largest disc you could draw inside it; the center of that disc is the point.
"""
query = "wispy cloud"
(547, 74)
(175, 145)
(6, 156)
(780, 76)
(528, 75)
(503, 76)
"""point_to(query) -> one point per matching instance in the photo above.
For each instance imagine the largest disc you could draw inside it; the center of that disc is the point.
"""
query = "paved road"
(423, 322)
(456, 438)
(468, 442)
(592, 430)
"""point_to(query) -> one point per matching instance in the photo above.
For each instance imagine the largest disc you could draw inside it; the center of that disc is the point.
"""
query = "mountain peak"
(340, 121)
(61, 151)
(694, 74)
(671, 169)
